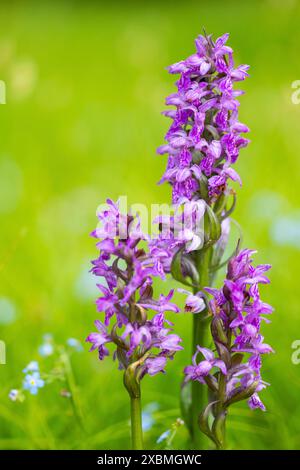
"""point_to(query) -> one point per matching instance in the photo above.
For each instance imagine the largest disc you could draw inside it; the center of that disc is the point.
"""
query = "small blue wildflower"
(13, 394)
(46, 349)
(163, 436)
(147, 415)
(33, 382)
(75, 343)
(148, 421)
(33, 366)
(16, 395)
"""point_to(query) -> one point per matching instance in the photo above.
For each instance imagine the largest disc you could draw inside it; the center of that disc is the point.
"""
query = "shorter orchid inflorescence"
(142, 344)
(232, 370)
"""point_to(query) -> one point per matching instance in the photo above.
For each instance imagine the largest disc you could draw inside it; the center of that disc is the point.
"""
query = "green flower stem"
(73, 389)
(136, 423)
(133, 387)
(220, 409)
(200, 337)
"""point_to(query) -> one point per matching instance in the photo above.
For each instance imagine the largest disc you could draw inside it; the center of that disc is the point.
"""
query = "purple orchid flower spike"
(237, 312)
(206, 104)
(142, 342)
(203, 144)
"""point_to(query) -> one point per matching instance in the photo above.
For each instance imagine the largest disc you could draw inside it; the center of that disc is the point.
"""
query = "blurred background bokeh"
(85, 84)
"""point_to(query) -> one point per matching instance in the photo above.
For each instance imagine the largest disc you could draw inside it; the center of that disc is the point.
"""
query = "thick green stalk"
(136, 423)
(200, 337)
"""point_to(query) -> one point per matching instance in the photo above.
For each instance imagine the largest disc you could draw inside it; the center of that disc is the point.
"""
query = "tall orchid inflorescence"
(142, 344)
(203, 144)
(205, 136)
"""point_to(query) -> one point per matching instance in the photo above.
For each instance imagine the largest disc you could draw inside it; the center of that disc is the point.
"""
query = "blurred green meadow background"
(85, 84)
